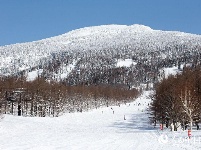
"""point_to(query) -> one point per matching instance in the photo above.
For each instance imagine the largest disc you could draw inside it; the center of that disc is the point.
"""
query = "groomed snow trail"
(97, 129)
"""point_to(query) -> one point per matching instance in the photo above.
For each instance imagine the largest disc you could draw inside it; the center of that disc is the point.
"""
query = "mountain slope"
(103, 43)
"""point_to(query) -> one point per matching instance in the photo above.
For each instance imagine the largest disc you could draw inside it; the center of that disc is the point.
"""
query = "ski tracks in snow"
(128, 128)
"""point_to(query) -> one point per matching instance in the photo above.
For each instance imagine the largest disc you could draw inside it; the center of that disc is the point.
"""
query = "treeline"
(49, 98)
(177, 99)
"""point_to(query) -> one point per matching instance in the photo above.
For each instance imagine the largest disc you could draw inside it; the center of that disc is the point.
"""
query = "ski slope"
(99, 129)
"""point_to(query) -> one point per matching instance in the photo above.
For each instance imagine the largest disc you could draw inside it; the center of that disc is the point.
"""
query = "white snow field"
(125, 63)
(97, 129)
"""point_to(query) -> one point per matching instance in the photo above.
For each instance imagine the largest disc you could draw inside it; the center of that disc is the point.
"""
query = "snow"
(125, 63)
(33, 74)
(171, 71)
(165, 72)
(97, 129)
(64, 70)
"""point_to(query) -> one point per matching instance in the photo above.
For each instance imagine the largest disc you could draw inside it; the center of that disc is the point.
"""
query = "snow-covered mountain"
(108, 41)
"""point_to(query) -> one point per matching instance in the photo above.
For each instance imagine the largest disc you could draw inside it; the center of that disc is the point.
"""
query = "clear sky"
(30, 20)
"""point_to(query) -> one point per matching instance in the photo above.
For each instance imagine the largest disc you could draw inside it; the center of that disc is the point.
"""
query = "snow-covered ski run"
(110, 128)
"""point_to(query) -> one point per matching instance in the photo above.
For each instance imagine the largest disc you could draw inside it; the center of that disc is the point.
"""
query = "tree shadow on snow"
(134, 123)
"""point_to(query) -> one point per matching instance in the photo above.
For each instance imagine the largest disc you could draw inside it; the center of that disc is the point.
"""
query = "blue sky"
(30, 20)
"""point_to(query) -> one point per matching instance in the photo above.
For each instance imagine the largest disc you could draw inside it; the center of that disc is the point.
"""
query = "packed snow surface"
(127, 128)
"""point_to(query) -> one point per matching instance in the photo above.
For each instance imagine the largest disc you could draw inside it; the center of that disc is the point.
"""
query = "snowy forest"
(177, 99)
(82, 70)
(42, 98)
